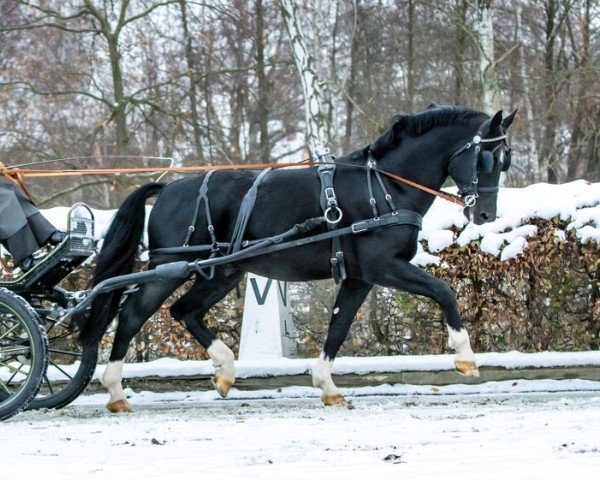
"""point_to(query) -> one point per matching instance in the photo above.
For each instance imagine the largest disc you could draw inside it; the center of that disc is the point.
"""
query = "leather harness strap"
(332, 215)
(244, 213)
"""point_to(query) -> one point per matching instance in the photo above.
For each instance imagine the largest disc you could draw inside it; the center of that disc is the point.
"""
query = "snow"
(421, 433)
(171, 367)
(273, 367)
(514, 248)
(440, 240)
(588, 233)
(488, 388)
(576, 202)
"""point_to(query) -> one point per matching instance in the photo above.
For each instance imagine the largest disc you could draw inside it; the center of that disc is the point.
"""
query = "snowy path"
(491, 436)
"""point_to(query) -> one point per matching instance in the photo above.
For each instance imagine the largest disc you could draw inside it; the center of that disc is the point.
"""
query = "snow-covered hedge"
(531, 279)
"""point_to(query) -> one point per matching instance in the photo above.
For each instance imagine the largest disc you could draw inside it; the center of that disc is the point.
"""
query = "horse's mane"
(418, 124)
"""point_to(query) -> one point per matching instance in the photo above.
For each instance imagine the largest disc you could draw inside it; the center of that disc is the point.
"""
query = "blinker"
(486, 161)
(507, 159)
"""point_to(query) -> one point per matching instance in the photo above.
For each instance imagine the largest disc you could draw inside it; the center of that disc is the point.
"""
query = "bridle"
(470, 192)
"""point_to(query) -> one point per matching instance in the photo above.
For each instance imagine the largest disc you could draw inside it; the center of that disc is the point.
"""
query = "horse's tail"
(117, 257)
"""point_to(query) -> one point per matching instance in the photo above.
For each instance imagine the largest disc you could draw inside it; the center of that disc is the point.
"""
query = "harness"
(332, 213)
(470, 192)
(238, 249)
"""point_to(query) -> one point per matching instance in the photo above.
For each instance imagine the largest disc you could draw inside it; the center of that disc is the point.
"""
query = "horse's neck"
(423, 160)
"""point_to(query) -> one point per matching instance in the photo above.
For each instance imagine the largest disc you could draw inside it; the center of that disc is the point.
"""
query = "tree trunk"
(351, 85)
(410, 73)
(459, 51)
(191, 71)
(487, 58)
(532, 169)
(547, 155)
(577, 144)
(263, 85)
(316, 128)
(120, 104)
(331, 120)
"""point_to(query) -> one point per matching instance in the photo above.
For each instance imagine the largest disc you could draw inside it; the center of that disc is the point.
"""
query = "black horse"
(466, 144)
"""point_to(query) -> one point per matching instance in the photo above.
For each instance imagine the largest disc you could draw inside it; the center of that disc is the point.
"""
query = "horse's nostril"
(484, 216)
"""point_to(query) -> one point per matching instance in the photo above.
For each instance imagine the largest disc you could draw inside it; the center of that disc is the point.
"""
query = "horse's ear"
(496, 122)
(508, 120)
(432, 106)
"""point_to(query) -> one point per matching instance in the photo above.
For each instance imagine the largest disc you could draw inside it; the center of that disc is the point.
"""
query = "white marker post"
(267, 327)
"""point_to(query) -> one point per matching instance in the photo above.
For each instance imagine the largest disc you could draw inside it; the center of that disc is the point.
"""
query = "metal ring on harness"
(333, 221)
(470, 200)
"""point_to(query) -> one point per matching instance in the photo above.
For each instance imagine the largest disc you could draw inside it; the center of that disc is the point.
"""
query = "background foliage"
(215, 82)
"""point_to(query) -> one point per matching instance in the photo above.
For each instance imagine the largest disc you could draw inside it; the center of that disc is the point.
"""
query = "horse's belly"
(298, 264)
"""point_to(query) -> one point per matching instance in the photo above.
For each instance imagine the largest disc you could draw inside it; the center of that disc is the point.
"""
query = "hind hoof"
(120, 406)
(222, 385)
(467, 368)
(336, 401)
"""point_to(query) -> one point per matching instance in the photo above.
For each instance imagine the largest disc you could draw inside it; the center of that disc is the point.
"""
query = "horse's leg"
(191, 309)
(138, 308)
(402, 275)
(350, 297)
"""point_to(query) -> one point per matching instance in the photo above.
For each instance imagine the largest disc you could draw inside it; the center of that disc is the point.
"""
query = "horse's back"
(284, 198)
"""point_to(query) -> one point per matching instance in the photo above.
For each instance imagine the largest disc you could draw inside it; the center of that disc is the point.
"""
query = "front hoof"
(222, 385)
(120, 406)
(467, 368)
(336, 401)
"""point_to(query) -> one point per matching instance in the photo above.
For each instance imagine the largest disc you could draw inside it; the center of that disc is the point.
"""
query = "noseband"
(470, 194)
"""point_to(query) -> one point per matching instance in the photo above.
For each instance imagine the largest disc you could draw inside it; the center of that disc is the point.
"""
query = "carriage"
(41, 364)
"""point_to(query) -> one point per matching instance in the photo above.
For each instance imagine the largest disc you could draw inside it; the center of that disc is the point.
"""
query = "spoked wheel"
(70, 367)
(23, 353)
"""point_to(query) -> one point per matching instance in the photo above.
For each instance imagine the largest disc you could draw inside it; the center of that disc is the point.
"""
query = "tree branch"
(37, 91)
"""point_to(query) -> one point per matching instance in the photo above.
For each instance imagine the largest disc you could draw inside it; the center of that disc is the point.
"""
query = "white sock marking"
(459, 341)
(321, 376)
(222, 358)
(111, 379)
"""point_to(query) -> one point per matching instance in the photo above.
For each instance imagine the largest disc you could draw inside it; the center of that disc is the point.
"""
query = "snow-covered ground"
(455, 432)
(273, 367)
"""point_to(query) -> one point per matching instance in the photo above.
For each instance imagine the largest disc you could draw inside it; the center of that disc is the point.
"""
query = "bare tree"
(316, 128)
(487, 59)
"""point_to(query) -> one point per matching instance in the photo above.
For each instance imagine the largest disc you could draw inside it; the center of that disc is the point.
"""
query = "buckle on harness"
(338, 267)
(359, 227)
(330, 196)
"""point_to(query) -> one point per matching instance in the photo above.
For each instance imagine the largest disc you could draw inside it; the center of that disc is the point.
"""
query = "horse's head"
(477, 165)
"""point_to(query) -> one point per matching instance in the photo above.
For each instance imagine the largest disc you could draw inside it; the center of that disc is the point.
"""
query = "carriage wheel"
(23, 353)
(70, 367)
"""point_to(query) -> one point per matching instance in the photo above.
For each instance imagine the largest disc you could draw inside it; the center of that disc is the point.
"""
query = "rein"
(17, 176)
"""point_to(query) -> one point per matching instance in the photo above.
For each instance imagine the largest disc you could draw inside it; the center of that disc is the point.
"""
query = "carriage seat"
(77, 246)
